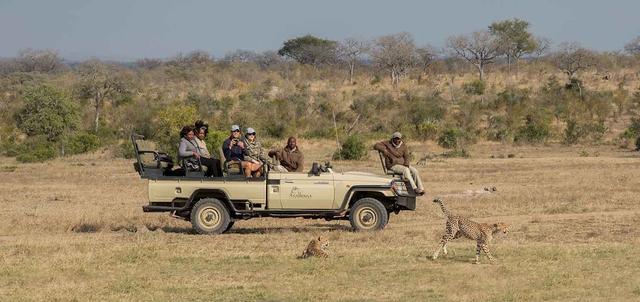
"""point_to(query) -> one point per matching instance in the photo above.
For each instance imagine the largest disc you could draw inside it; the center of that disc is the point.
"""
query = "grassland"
(73, 229)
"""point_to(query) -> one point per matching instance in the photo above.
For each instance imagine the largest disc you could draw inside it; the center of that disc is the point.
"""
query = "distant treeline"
(502, 83)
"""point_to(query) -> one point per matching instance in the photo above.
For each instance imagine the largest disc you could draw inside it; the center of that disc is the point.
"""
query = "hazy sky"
(125, 30)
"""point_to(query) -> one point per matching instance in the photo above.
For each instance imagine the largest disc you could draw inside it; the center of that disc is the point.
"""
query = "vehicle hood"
(362, 178)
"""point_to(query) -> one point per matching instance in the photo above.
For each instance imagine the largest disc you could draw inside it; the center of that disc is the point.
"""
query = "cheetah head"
(323, 241)
(500, 227)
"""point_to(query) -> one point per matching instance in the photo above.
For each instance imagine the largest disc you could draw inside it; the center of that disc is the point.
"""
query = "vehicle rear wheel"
(210, 216)
(368, 214)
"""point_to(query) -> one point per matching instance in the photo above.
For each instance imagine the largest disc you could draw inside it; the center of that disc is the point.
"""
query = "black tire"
(229, 226)
(210, 216)
(368, 214)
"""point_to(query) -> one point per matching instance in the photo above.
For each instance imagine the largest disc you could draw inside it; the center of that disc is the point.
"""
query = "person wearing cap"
(253, 154)
(397, 158)
(290, 157)
(233, 147)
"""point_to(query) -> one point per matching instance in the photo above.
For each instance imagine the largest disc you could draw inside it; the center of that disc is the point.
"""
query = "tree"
(426, 57)
(514, 39)
(572, 58)
(350, 51)
(48, 112)
(100, 82)
(479, 48)
(30, 60)
(310, 50)
(395, 53)
(633, 47)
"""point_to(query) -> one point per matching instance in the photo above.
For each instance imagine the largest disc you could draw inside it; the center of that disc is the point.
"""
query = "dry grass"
(74, 230)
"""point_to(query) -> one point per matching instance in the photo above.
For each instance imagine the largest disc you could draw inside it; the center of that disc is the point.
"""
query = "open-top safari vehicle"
(213, 204)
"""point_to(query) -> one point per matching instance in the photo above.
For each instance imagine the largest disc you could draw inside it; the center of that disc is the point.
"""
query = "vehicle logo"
(297, 193)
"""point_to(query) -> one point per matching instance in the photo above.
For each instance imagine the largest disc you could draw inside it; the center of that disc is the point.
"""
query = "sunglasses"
(235, 131)
(251, 133)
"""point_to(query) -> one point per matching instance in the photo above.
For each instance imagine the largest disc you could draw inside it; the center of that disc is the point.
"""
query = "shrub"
(476, 87)
(353, 148)
(575, 132)
(535, 130)
(81, 143)
(124, 150)
(427, 130)
(171, 120)
(36, 149)
(452, 138)
(47, 111)
(214, 141)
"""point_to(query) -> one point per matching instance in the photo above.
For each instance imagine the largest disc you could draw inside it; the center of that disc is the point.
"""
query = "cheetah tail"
(444, 210)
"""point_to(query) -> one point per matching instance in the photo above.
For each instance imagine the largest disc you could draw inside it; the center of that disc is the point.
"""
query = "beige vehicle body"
(320, 193)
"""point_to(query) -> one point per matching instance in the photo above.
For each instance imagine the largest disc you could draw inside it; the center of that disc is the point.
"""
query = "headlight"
(399, 187)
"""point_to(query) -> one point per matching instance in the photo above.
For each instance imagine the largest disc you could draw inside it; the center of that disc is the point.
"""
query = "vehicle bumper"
(406, 202)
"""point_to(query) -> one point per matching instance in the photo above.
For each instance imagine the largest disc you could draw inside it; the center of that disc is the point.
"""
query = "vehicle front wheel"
(368, 214)
(210, 216)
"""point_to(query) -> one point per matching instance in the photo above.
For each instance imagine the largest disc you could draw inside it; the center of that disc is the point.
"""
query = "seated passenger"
(254, 157)
(189, 152)
(233, 147)
(290, 157)
(396, 159)
(202, 129)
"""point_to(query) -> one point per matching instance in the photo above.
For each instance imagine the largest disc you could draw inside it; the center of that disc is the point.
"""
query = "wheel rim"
(210, 217)
(367, 218)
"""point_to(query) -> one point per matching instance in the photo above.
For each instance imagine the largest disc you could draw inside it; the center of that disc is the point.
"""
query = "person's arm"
(407, 156)
(182, 150)
(226, 151)
(379, 146)
(300, 163)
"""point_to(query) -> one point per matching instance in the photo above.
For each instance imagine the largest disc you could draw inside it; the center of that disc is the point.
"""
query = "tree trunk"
(335, 127)
(480, 71)
(96, 122)
(352, 66)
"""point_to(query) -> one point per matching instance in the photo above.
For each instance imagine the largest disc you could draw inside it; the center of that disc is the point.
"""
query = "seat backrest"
(384, 166)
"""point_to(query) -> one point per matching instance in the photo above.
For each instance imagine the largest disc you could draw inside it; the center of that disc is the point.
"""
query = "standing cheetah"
(458, 226)
(316, 248)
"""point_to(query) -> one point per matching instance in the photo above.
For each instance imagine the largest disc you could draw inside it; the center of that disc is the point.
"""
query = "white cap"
(250, 130)
(235, 128)
(396, 135)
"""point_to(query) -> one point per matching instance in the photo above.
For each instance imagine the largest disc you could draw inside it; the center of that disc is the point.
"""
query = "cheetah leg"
(485, 249)
(442, 246)
(478, 248)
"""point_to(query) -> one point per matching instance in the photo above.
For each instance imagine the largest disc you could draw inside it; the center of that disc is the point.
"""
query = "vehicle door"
(307, 191)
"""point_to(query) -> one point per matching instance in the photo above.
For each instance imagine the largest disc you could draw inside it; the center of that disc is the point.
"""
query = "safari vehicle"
(213, 204)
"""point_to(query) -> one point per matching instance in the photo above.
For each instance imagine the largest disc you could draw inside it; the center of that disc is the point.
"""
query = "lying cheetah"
(316, 248)
(458, 226)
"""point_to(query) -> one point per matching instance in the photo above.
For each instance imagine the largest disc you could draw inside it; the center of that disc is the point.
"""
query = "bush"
(576, 132)
(124, 150)
(81, 143)
(535, 130)
(36, 149)
(214, 141)
(353, 148)
(476, 87)
(452, 138)
(427, 130)
(47, 111)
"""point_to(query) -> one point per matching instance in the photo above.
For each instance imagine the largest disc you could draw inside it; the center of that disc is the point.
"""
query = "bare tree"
(572, 58)
(479, 48)
(395, 53)
(148, 63)
(427, 55)
(633, 47)
(100, 82)
(350, 51)
(543, 46)
(30, 60)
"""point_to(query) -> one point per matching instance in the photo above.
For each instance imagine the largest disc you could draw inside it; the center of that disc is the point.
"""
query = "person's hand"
(241, 144)
(196, 155)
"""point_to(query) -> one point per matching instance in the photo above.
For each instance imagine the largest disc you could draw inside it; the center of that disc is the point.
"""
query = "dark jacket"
(392, 155)
(233, 153)
(292, 160)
